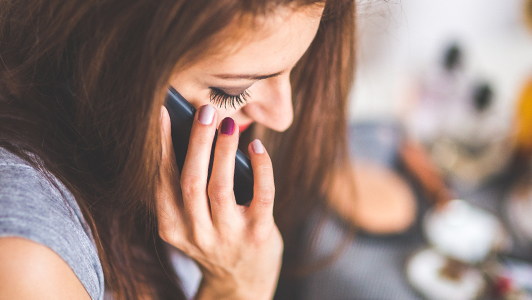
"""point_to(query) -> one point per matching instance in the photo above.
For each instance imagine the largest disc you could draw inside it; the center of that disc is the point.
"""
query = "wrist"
(218, 289)
(210, 289)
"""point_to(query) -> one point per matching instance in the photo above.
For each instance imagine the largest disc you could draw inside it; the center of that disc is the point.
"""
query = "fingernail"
(228, 126)
(257, 147)
(206, 114)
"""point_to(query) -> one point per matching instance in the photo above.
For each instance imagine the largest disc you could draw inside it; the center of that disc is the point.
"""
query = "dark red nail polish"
(228, 126)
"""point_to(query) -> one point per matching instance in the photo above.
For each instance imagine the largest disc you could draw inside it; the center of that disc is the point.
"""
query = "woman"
(88, 187)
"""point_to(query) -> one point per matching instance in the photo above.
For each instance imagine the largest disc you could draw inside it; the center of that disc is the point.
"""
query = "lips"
(241, 128)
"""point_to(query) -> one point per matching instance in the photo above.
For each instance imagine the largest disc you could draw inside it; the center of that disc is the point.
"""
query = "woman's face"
(256, 73)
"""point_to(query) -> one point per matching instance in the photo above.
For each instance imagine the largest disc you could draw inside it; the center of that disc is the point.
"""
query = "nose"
(272, 103)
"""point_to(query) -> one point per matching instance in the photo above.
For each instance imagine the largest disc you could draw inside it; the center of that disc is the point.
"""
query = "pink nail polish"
(257, 147)
(228, 126)
(206, 114)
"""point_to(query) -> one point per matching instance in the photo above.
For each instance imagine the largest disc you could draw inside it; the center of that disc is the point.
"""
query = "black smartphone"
(182, 117)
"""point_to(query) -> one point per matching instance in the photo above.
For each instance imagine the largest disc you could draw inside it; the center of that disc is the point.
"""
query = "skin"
(32, 271)
(270, 101)
(237, 248)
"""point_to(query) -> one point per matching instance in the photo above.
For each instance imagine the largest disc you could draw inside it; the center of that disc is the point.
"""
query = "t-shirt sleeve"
(33, 208)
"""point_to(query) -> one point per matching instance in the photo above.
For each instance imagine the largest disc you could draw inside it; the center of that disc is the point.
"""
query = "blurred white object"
(424, 271)
(456, 115)
(399, 38)
(441, 97)
(462, 231)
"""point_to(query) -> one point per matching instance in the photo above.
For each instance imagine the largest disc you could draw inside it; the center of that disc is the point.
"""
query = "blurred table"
(372, 267)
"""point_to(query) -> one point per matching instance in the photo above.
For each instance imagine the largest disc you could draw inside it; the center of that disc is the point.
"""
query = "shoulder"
(41, 210)
(29, 271)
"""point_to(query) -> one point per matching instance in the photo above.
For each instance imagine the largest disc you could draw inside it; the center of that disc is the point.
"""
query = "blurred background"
(400, 39)
(441, 140)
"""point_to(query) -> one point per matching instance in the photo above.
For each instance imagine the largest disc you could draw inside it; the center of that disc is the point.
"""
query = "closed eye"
(222, 99)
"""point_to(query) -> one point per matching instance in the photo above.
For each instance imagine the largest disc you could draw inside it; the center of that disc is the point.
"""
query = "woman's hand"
(238, 248)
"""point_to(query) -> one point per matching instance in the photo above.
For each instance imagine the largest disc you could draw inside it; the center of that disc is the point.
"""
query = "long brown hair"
(81, 86)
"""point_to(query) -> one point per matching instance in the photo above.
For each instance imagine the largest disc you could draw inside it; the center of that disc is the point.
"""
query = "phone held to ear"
(182, 117)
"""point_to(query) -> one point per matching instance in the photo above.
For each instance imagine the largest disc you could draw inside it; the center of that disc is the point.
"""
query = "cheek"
(239, 116)
(188, 88)
(253, 112)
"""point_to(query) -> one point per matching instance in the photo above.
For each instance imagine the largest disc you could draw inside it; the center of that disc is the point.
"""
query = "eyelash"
(222, 99)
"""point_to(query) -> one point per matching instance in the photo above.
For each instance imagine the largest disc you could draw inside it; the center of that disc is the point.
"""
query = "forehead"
(267, 44)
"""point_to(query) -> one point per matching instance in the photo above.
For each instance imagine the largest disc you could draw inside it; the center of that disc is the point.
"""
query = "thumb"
(168, 189)
(166, 139)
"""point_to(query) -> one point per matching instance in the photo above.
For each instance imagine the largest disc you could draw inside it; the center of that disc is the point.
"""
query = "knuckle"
(220, 191)
(192, 186)
(200, 240)
(162, 225)
(224, 156)
(169, 238)
(201, 137)
(266, 194)
(277, 240)
(264, 169)
(226, 146)
(267, 233)
(164, 236)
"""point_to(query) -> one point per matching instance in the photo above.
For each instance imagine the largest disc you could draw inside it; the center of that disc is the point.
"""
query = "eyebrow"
(246, 76)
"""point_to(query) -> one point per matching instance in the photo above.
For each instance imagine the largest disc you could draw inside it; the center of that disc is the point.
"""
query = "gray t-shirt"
(32, 208)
